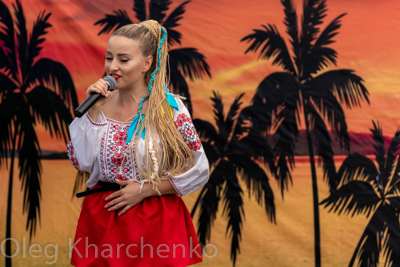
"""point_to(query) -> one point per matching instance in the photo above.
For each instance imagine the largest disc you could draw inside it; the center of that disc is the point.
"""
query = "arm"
(86, 132)
(130, 195)
(198, 175)
(182, 184)
(85, 141)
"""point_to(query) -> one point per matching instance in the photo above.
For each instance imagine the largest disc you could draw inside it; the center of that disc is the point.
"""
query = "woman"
(143, 152)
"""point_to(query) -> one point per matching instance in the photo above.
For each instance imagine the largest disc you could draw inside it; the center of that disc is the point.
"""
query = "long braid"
(172, 154)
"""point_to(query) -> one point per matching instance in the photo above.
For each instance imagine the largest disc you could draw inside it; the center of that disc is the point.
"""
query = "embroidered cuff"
(175, 187)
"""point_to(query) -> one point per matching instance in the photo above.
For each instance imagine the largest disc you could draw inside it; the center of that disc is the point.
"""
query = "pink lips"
(115, 76)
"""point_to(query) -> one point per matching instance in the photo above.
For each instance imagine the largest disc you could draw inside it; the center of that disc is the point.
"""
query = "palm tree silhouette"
(33, 91)
(184, 62)
(364, 187)
(304, 90)
(230, 157)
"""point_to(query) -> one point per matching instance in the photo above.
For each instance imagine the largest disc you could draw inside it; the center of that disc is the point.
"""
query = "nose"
(113, 65)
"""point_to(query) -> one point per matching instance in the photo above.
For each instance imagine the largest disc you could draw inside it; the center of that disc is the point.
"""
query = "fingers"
(99, 87)
(119, 203)
(127, 207)
(115, 204)
(124, 198)
(114, 195)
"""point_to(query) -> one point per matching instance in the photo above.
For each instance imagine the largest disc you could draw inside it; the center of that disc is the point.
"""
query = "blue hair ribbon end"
(133, 126)
(172, 102)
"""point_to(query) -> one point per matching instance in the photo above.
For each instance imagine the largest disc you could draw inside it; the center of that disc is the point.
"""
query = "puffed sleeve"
(197, 176)
(85, 141)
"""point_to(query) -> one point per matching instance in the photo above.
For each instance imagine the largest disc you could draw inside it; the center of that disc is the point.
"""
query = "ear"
(147, 63)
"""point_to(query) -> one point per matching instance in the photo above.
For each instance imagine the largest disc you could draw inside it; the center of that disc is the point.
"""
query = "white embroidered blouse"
(99, 148)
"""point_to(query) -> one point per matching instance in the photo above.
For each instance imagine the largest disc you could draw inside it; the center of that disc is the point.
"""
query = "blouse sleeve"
(197, 176)
(86, 136)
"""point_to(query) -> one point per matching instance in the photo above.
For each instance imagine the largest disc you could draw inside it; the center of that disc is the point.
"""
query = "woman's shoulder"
(181, 107)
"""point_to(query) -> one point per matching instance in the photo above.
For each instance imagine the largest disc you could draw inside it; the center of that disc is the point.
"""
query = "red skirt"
(157, 232)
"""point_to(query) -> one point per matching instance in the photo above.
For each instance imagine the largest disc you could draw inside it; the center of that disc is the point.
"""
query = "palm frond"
(7, 125)
(322, 144)
(22, 38)
(352, 198)
(232, 113)
(49, 109)
(179, 85)
(395, 183)
(319, 91)
(172, 21)
(206, 130)
(139, 7)
(321, 55)
(80, 181)
(189, 62)
(284, 152)
(219, 115)
(393, 198)
(344, 85)
(367, 250)
(213, 144)
(257, 183)
(7, 37)
(29, 166)
(233, 209)
(291, 26)
(313, 13)
(5, 62)
(390, 240)
(209, 201)
(6, 85)
(244, 122)
(158, 8)
(392, 154)
(276, 91)
(250, 139)
(274, 46)
(39, 29)
(379, 145)
(284, 142)
(56, 76)
(356, 167)
(119, 19)
(212, 152)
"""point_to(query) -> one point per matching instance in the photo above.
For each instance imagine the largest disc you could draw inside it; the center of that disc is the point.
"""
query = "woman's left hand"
(126, 197)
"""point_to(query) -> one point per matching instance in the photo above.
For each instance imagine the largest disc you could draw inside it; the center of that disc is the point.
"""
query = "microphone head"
(110, 82)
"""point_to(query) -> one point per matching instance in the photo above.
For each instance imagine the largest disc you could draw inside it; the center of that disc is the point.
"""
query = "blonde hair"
(176, 156)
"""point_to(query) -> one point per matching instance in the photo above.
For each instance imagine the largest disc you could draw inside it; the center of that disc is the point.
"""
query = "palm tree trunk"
(9, 203)
(317, 238)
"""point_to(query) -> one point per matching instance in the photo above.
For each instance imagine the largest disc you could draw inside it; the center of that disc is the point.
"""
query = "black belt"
(105, 186)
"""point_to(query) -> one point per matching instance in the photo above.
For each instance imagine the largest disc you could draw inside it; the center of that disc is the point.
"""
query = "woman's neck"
(125, 104)
(127, 98)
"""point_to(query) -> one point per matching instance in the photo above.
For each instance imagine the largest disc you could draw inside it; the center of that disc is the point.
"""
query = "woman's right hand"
(99, 87)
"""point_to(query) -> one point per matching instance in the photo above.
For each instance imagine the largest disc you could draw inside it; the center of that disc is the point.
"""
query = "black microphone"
(90, 100)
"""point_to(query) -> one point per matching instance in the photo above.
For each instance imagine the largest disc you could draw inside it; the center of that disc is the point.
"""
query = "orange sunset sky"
(368, 42)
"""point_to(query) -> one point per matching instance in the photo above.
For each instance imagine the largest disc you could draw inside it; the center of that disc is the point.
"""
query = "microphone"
(90, 100)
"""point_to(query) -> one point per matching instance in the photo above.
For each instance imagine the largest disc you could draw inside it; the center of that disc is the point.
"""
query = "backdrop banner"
(296, 103)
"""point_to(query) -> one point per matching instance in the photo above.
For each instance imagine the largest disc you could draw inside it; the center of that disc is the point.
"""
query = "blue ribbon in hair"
(131, 130)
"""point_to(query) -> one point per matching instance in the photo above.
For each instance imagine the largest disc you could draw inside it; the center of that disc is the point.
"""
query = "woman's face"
(126, 63)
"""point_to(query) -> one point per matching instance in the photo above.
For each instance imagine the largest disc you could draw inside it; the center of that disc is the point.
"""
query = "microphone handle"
(87, 104)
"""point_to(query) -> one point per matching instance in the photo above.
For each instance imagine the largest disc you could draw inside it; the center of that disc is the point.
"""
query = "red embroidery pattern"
(71, 155)
(112, 151)
(185, 126)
